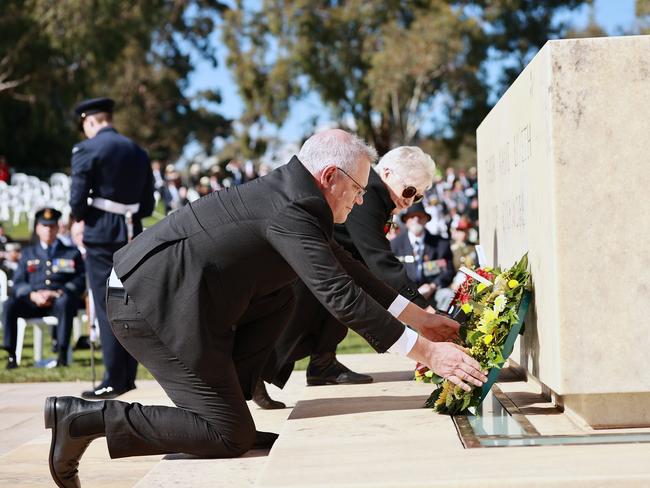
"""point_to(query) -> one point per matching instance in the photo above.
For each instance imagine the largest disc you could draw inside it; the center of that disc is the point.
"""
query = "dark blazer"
(194, 274)
(110, 166)
(64, 270)
(363, 236)
(438, 258)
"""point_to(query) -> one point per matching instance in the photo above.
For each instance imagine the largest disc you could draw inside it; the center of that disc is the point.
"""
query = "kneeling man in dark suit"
(201, 297)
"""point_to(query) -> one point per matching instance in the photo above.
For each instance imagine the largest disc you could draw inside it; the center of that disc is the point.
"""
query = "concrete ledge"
(378, 435)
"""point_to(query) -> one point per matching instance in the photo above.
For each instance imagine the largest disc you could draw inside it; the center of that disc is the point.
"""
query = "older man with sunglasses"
(398, 180)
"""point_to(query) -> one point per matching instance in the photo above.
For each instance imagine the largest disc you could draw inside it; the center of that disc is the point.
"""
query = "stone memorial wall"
(564, 173)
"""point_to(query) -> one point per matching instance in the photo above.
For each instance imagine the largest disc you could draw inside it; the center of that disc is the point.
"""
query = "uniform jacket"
(39, 271)
(438, 264)
(110, 166)
(194, 274)
(363, 236)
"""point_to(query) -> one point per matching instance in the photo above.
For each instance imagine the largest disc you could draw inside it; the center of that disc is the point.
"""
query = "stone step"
(180, 470)
(377, 435)
(25, 441)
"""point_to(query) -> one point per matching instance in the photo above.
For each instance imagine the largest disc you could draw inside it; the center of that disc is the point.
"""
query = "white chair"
(60, 179)
(42, 325)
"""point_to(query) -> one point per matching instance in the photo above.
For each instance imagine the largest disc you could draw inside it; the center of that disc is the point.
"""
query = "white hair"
(409, 163)
(335, 147)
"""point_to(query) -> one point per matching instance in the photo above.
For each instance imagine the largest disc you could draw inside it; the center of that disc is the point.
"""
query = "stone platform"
(334, 436)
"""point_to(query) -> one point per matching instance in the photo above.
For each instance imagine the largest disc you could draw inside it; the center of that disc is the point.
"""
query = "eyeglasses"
(361, 191)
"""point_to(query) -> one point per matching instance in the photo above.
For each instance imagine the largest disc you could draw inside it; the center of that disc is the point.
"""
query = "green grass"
(352, 344)
(19, 232)
(23, 233)
(80, 370)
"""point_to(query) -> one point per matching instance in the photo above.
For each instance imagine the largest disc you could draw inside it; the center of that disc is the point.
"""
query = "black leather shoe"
(334, 374)
(103, 393)
(263, 400)
(65, 449)
(11, 362)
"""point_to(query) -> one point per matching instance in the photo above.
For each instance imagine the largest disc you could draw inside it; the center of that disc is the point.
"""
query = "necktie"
(417, 252)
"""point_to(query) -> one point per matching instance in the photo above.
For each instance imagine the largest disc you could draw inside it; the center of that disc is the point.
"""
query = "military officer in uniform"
(400, 177)
(427, 258)
(49, 280)
(111, 191)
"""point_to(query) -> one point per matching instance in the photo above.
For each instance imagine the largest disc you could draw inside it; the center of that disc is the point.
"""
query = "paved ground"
(333, 436)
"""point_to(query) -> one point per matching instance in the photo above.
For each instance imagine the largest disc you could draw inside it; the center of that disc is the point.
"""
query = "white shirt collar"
(45, 246)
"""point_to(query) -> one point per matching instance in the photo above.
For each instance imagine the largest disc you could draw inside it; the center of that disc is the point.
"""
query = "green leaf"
(430, 402)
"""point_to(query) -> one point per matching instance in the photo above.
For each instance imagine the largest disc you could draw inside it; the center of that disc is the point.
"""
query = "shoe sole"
(334, 382)
(50, 423)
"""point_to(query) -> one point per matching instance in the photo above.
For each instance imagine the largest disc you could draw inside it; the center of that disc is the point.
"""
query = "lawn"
(80, 369)
(22, 233)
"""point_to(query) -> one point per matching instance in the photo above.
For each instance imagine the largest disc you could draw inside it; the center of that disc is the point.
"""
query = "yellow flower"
(513, 284)
(487, 338)
(481, 287)
(467, 308)
(488, 316)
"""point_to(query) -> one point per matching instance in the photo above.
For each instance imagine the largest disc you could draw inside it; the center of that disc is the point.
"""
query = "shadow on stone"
(253, 453)
(511, 374)
(327, 407)
(391, 376)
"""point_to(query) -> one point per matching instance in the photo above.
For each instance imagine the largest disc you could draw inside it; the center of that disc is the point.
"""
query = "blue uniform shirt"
(113, 167)
(62, 269)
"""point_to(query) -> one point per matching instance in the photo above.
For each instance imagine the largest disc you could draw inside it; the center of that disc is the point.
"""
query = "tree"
(643, 16)
(399, 71)
(58, 53)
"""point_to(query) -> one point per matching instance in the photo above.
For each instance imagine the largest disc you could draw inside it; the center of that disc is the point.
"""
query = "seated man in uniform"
(49, 280)
(427, 258)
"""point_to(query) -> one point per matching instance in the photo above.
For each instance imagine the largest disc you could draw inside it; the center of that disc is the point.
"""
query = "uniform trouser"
(212, 418)
(311, 330)
(64, 308)
(120, 368)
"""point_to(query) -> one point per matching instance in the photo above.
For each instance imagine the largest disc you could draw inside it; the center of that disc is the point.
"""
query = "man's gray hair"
(335, 147)
(409, 163)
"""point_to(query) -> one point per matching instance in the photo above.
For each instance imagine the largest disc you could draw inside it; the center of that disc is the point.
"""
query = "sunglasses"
(412, 192)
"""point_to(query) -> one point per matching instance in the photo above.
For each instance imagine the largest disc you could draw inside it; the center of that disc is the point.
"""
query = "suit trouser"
(64, 308)
(311, 330)
(120, 368)
(212, 418)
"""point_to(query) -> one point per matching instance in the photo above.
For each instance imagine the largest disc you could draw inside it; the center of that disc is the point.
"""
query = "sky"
(615, 16)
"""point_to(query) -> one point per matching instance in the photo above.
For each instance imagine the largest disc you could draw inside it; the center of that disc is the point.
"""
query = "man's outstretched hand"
(439, 328)
(449, 361)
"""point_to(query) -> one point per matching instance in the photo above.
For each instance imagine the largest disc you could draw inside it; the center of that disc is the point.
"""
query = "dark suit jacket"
(110, 166)
(194, 274)
(363, 236)
(436, 248)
